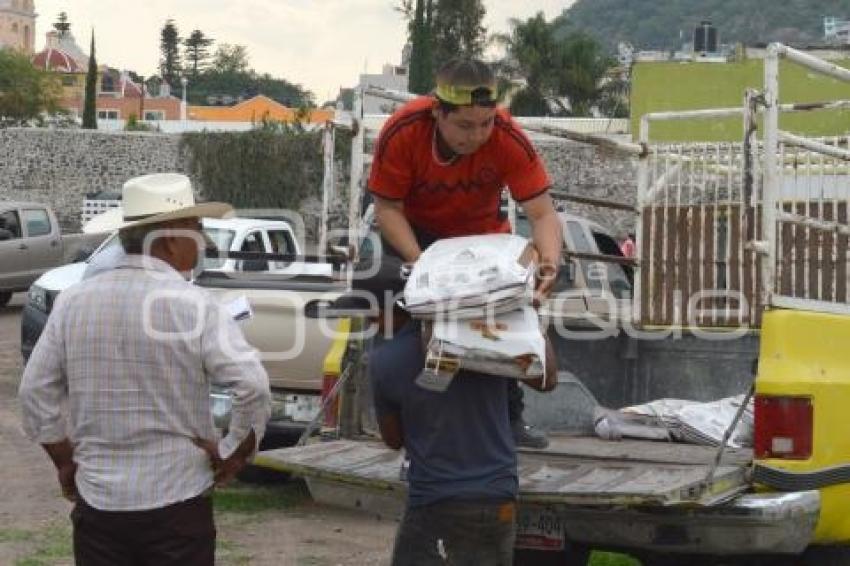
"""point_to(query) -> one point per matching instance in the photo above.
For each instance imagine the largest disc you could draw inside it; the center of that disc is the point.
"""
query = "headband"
(466, 95)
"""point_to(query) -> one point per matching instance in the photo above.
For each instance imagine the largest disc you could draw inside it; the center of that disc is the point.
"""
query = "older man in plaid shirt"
(132, 353)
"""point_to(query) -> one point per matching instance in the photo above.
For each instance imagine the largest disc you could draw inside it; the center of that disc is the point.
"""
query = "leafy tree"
(457, 30)
(421, 72)
(90, 103)
(197, 53)
(62, 25)
(581, 65)
(532, 53)
(170, 64)
(554, 69)
(26, 93)
(231, 59)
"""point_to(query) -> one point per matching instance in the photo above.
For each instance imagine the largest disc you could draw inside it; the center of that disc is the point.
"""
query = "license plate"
(539, 529)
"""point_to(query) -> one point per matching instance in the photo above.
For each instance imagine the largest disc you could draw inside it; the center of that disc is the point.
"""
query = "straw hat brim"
(203, 210)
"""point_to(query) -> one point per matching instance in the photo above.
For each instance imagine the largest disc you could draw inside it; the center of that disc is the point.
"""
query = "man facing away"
(439, 168)
(462, 482)
(131, 353)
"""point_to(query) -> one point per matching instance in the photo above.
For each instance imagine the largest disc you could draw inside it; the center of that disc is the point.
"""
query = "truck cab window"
(9, 223)
(281, 242)
(37, 222)
(253, 242)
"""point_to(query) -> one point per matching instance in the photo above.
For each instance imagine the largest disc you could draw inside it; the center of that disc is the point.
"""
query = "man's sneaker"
(526, 436)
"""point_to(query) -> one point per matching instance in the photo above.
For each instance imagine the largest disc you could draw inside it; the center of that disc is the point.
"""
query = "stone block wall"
(59, 167)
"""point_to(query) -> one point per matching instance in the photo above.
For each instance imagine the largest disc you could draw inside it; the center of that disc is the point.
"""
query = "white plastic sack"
(701, 423)
(470, 276)
(509, 345)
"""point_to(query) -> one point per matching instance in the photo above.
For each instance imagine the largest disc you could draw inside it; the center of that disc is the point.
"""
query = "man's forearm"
(397, 232)
(547, 237)
(61, 453)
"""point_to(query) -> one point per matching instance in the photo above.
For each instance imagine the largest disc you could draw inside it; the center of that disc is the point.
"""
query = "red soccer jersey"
(461, 198)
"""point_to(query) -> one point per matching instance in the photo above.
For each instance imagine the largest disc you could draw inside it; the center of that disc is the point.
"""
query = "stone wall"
(60, 166)
(583, 170)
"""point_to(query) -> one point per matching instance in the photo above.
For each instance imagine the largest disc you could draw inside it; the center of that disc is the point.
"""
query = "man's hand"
(62, 455)
(67, 475)
(224, 471)
(546, 276)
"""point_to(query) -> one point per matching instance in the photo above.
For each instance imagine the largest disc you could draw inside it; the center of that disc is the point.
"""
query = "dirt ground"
(34, 526)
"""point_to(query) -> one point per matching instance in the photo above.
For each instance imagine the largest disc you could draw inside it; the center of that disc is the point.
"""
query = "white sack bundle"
(471, 276)
(508, 345)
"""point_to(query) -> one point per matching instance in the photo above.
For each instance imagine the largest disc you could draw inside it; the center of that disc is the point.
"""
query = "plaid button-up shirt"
(124, 369)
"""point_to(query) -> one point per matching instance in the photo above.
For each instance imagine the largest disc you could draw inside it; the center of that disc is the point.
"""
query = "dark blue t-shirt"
(459, 442)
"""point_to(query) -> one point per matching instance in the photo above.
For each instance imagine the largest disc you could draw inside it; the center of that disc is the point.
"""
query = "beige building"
(17, 25)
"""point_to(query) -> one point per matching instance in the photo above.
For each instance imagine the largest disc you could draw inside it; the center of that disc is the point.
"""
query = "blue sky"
(321, 44)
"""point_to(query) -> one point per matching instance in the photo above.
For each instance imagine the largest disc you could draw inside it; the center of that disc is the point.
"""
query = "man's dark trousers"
(182, 534)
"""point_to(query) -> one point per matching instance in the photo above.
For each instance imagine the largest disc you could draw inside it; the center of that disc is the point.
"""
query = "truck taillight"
(332, 413)
(783, 427)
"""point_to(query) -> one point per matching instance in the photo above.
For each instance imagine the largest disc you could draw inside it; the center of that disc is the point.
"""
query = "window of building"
(69, 80)
(154, 115)
(15, 28)
(108, 115)
(37, 222)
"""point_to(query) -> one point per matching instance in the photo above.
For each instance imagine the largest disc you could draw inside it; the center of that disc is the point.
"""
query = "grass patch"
(229, 553)
(49, 546)
(608, 559)
(249, 499)
(16, 535)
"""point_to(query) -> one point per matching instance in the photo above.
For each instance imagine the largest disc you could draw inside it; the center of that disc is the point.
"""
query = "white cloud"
(321, 44)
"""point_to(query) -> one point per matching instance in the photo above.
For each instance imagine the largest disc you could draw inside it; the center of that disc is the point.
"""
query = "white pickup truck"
(277, 325)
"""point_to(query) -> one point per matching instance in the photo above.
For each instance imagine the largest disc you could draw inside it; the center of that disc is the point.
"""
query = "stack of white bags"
(475, 295)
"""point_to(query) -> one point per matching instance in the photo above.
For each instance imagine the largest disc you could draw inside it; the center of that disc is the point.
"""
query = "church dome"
(52, 59)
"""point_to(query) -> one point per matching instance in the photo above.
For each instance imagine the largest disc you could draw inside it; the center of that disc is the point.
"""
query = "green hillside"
(656, 24)
(683, 86)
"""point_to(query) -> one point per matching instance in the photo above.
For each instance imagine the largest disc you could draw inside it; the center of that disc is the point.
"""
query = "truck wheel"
(825, 556)
(573, 555)
(5, 297)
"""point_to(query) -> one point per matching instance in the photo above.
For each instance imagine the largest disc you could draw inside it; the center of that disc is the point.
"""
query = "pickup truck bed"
(641, 495)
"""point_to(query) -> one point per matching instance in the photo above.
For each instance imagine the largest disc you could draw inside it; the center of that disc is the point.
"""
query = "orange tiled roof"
(254, 110)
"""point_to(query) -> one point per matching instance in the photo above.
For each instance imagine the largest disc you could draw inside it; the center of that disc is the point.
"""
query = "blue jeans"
(457, 532)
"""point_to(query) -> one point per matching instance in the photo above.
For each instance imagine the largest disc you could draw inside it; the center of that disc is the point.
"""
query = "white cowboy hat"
(163, 197)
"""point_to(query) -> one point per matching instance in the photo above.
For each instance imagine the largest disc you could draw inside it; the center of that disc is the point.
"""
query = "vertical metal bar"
(643, 187)
(731, 180)
(716, 230)
(678, 318)
(771, 146)
(358, 146)
(702, 193)
(666, 280)
(328, 147)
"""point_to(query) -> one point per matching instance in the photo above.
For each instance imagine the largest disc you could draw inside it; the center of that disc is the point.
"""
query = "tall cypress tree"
(420, 73)
(90, 104)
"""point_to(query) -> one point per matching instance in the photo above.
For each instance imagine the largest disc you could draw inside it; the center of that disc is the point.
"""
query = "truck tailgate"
(575, 471)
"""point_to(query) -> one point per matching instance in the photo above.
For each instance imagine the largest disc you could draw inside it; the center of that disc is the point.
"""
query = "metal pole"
(327, 185)
(642, 189)
(358, 145)
(771, 179)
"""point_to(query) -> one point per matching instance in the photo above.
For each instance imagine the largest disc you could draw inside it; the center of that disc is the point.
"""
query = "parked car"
(31, 243)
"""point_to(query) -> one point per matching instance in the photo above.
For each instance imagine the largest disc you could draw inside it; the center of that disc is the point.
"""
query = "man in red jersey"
(440, 165)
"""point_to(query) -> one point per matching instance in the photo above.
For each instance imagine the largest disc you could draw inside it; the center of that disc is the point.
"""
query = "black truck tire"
(825, 556)
(573, 555)
(5, 297)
